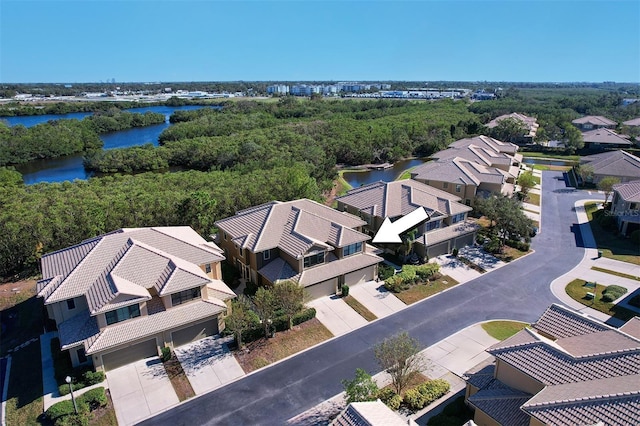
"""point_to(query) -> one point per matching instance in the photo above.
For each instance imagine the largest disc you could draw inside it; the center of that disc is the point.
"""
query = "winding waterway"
(359, 178)
(71, 167)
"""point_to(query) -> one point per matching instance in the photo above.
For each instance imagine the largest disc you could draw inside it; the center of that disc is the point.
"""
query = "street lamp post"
(73, 398)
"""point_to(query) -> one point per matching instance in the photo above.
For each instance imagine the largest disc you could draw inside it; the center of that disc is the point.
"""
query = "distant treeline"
(56, 138)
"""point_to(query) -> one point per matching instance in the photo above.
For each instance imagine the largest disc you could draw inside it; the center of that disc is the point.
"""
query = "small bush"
(385, 271)
(520, 245)
(414, 399)
(493, 246)
(93, 377)
(94, 398)
(60, 409)
(433, 389)
(612, 293)
(385, 394)
(345, 290)
(454, 252)
(395, 402)
(166, 354)
(393, 284)
(304, 316)
(63, 389)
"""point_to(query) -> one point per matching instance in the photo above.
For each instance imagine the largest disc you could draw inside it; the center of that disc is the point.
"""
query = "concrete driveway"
(336, 315)
(208, 364)
(376, 298)
(139, 390)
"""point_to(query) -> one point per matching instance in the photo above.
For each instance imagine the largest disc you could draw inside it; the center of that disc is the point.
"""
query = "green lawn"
(546, 155)
(502, 330)
(553, 168)
(578, 292)
(420, 291)
(611, 245)
(24, 399)
(617, 274)
(533, 199)
(360, 308)
(406, 174)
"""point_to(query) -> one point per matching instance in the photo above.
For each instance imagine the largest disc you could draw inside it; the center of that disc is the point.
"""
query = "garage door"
(464, 241)
(129, 354)
(360, 276)
(438, 249)
(324, 288)
(194, 332)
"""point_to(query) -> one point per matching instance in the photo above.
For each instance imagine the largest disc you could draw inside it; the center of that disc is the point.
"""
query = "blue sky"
(147, 40)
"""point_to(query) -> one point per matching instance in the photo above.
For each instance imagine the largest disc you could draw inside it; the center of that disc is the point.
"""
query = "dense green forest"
(56, 138)
(244, 154)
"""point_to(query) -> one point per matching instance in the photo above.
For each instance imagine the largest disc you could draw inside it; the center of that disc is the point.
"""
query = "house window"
(266, 255)
(351, 249)
(432, 225)
(185, 296)
(457, 218)
(314, 259)
(445, 185)
(122, 314)
(71, 304)
(82, 357)
(224, 235)
(241, 251)
(207, 268)
(458, 188)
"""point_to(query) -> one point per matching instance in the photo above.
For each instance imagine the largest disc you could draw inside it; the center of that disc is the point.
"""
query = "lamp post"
(73, 398)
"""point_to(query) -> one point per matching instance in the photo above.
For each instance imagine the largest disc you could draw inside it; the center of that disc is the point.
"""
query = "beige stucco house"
(122, 296)
(301, 240)
(567, 369)
(625, 206)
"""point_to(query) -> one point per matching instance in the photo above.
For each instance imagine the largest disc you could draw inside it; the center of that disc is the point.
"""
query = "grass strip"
(611, 245)
(617, 274)
(179, 379)
(502, 330)
(24, 398)
(421, 291)
(577, 291)
(533, 199)
(360, 308)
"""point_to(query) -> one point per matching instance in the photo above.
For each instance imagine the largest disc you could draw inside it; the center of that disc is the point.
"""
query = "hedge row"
(424, 394)
(612, 293)
(281, 323)
(63, 413)
(520, 245)
(410, 275)
(89, 378)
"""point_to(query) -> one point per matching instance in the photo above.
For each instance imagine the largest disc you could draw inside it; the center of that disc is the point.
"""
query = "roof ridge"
(558, 402)
(158, 229)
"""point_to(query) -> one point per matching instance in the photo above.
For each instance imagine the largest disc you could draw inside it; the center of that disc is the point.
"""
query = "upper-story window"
(122, 314)
(351, 249)
(266, 255)
(207, 268)
(314, 259)
(457, 218)
(458, 188)
(224, 235)
(185, 296)
(241, 251)
(432, 225)
(71, 304)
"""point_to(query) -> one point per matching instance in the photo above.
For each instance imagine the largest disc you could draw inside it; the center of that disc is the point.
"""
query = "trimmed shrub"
(63, 389)
(166, 354)
(94, 398)
(395, 402)
(59, 409)
(454, 252)
(345, 290)
(427, 270)
(386, 394)
(520, 245)
(385, 271)
(612, 293)
(414, 399)
(304, 316)
(393, 284)
(433, 389)
(280, 323)
(94, 377)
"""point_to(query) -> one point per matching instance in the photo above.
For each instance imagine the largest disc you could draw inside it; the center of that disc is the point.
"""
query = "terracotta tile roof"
(629, 191)
(448, 232)
(399, 198)
(294, 227)
(502, 403)
(612, 401)
(596, 120)
(614, 163)
(605, 136)
(632, 327)
(558, 321)
(370, 413)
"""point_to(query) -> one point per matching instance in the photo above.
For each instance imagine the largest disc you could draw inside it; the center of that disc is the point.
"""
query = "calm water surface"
(357, 179)
(70, 167)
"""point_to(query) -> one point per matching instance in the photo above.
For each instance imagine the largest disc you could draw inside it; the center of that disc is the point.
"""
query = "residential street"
(518, 291)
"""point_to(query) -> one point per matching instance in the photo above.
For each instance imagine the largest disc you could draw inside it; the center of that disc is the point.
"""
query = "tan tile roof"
(614, 163)
(399, 198)
(605, 136)
(632, 327)
(530, 123)
(488, 143)
(633, 122)
(612, 401)
(370, 413)
(600, 342)
(448, 232)
(558, 322)
(629, 191)
(294, 227)
(459, 171)
(596, 120)
(279, 270)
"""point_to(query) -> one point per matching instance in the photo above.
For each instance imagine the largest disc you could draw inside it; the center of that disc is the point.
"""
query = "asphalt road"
(518, 291)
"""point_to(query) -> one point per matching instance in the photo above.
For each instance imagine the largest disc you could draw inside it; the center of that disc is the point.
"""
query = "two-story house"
(529, 124)
(319, 247)
(591, 122)
(568, 369)
(446, 228)
(625, 206)
(122, 296)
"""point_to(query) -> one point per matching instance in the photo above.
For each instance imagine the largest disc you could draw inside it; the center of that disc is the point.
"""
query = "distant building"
(632, 123)
(619, 164)
(594, 122)
(304, 90)
(278, 89)
(530, 124)
(604, 138)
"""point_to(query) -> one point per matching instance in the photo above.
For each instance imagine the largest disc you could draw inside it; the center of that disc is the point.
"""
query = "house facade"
(446, 228)
(625, 206)
(591, 122)
(567, 369)
(319, 247)
(122, 296)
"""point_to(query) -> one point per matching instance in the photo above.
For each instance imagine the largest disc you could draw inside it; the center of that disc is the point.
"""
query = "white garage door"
(129, 354)
(359, 276)
(323, 288)
(195, 332)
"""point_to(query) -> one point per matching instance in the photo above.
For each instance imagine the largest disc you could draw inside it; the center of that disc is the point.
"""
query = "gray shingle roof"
(605, 136)
(614, 163)
(596, 120)
(629, 191)
(558, 322)
(399, 198)
(294, 227)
